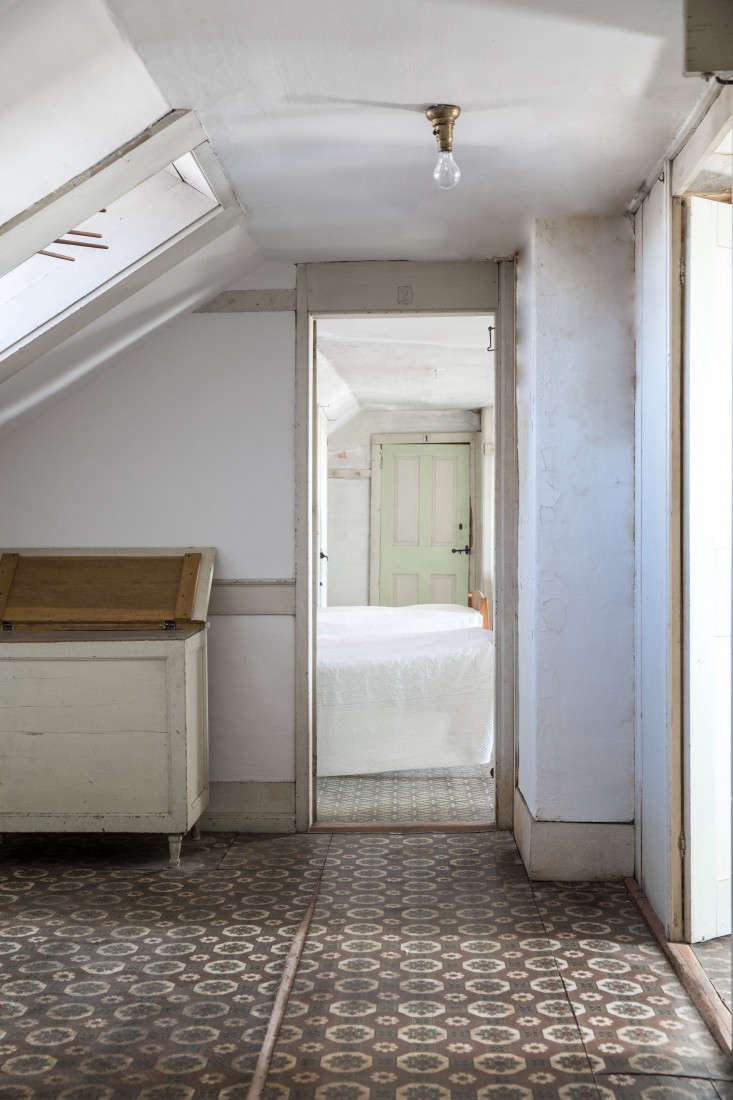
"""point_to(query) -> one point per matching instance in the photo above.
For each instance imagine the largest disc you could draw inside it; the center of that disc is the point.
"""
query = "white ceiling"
(404, 363)
(315, 110)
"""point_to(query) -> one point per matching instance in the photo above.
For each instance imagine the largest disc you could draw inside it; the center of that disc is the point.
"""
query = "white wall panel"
(185, 439)
(251, 697)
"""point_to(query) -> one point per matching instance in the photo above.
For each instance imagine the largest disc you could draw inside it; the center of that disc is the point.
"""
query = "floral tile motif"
(119, 983)
(434, 970)
(431, 796)
(715, 956)
(622, 987)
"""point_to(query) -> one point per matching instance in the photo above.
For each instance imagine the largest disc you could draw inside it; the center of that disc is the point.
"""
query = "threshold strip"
(690, 972)
(290, 969)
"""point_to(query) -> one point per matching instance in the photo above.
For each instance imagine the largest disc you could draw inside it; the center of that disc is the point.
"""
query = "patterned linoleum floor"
(715, 956)
(121, 979)
(430, 796)
(432, 970)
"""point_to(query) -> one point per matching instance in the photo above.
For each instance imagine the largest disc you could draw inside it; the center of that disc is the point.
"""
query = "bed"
(404, 688)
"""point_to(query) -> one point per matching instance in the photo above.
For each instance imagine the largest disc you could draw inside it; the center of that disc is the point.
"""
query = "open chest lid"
(105, 589)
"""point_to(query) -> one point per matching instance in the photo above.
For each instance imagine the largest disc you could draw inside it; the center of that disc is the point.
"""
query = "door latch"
(461, 550)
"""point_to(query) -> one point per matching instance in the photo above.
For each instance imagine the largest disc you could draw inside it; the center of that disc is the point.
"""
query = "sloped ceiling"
(403, 363)
(316, 110)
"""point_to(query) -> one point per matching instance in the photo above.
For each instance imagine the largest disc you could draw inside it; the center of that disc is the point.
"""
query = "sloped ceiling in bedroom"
(403, 363)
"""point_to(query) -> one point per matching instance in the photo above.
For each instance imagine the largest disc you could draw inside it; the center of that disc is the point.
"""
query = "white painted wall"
(576, 440)
(186, 438)
(349, 500)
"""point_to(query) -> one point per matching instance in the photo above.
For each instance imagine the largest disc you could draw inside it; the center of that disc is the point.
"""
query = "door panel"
(708, 491)
(443, 588)
(405, 589)
(425, 523)
(406, 506)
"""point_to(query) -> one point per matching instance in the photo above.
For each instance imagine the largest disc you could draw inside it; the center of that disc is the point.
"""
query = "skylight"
(45, 288)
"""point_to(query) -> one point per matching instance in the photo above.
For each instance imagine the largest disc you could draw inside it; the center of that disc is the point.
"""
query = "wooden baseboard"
(250, 807)
(572, 851)
(690, 972)
(402, 827)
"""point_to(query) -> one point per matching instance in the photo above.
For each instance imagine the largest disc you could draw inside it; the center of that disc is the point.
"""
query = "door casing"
(405, 287)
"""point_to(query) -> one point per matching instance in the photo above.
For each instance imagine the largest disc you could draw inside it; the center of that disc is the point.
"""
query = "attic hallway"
(432, 970)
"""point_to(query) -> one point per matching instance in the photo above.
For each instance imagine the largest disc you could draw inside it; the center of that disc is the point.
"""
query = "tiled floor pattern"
(715, 956)
(121, 979)
(432, 796)
(434, 971)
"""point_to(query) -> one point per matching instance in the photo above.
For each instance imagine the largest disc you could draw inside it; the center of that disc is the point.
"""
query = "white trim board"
(252, 597)
(573, 851)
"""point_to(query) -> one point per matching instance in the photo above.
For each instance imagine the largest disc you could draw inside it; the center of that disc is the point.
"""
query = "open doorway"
(707, 559)
(405, 666)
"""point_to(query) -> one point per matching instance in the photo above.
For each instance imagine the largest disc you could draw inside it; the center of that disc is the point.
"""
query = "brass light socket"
(443, 116)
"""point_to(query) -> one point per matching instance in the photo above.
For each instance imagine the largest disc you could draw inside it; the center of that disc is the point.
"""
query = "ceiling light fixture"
(442, 117)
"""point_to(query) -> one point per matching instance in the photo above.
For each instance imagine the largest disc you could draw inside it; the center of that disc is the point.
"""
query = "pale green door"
(425, 523)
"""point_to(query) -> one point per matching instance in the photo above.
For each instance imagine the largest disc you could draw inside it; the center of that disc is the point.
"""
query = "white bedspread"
(358, 623)
(396, 701)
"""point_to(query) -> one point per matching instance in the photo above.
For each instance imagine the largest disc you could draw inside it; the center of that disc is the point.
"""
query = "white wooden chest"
(103, 691)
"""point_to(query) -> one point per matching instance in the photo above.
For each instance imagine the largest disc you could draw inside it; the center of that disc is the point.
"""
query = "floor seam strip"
(566, 991)
(290, 970)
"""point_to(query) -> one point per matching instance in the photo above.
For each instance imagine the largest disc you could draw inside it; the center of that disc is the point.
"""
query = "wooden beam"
(250, 301)
(708, 36)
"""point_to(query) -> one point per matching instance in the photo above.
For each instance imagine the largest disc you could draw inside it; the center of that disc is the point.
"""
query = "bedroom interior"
(404, 660)
(289, 560)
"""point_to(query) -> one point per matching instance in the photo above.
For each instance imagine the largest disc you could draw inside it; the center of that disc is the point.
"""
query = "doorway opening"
(708, 561)
(405, 658)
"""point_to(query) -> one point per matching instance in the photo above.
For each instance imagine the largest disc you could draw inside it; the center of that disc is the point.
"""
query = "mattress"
(358, 623)
(400, 701)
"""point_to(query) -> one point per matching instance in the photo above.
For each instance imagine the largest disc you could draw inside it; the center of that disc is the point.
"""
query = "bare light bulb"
(446, 172)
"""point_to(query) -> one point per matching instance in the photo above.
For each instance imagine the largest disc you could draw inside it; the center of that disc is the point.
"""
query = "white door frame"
(375, 515)
(405, 287)
(681, 172)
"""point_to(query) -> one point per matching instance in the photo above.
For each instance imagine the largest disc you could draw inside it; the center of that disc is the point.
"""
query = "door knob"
(461, 550)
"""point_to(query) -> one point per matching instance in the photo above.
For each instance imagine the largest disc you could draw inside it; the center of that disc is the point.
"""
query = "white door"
(707, 490)
(425, 523)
